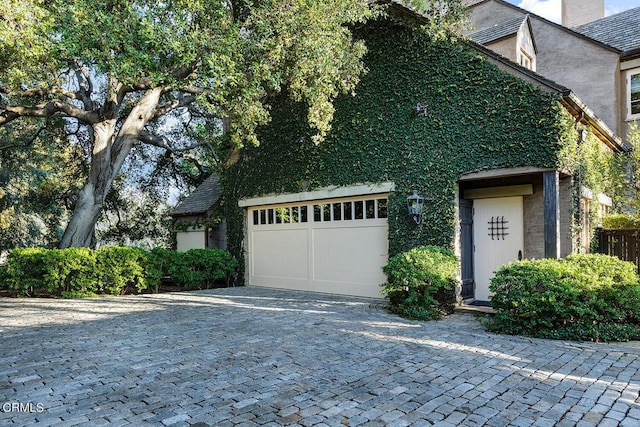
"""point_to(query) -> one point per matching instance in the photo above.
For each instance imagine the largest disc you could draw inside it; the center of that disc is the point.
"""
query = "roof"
(549, 22)
(498, 31)
(201, 200)
(621, 30)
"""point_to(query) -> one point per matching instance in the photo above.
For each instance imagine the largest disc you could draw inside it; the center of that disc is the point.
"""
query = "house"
(597, 57)
(196, 219)
(500, 155)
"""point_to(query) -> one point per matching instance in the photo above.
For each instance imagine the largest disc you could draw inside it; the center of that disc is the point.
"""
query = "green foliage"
(196, 268)
(478, 118)
(621, 221)
(627, 196)
(39, 175)
(421, 282)
(111, 270)
(52, 272)
(126, 270)
(584, 297)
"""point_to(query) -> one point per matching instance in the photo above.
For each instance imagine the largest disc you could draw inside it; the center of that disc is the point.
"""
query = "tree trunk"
(109, 153)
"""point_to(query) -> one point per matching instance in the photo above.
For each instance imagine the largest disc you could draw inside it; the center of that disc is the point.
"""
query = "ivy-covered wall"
(478, 117)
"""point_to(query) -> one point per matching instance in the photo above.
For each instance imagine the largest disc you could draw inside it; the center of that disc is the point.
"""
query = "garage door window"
(288, 215)
(352, 210)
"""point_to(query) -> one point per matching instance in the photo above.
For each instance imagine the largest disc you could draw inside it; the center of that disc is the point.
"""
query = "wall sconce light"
(420, 110)
(415, 202)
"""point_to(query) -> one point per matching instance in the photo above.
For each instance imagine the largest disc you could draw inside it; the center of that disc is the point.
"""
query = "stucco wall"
(506, 47)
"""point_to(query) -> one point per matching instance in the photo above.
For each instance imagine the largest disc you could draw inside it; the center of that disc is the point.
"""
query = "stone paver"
(251, 356)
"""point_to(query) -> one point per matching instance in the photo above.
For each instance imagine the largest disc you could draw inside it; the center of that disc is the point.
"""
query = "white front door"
(498, 236)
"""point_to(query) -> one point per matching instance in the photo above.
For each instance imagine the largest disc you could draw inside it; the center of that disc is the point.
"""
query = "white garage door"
(336, 245)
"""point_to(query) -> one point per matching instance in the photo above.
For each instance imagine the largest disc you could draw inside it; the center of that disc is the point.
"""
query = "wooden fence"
(623, 244)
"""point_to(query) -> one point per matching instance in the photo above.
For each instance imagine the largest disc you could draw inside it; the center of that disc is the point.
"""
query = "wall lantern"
(414, 206)
(420, 110)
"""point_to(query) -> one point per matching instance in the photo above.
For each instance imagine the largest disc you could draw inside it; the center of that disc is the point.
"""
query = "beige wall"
(506, 47)
(190, 240)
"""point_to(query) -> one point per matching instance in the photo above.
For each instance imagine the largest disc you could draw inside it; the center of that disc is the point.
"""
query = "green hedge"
(584, 297)
(421, 282)
(196, 268)
(620, 221)
(82, 272)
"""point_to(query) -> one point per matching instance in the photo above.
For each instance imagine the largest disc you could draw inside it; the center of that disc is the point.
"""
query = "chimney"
(579, 12)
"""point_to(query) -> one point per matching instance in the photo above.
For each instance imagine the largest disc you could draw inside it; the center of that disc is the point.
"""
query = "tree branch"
(49, 109)
(163, 142)
(181, 101)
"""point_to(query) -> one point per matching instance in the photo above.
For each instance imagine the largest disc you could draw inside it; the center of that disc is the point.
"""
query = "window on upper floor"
(525, 59)
(633, 94)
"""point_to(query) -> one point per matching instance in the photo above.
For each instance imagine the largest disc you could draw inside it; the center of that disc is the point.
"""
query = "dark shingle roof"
(621, 30)
(498, 31)
(202, 198)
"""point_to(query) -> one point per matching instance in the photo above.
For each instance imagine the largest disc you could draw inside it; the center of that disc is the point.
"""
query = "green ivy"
(478, 118)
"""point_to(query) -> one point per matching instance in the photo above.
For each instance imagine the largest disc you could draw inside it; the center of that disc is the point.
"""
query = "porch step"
(476, 309)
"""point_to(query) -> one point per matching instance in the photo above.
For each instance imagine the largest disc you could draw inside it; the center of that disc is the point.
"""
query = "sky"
(550, 9)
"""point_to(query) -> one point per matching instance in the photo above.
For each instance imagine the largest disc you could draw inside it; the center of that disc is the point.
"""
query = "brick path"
(250, 356)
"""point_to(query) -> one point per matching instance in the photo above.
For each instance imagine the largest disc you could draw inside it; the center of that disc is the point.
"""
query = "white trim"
(493, 192)
(323, 193)
(628, 74)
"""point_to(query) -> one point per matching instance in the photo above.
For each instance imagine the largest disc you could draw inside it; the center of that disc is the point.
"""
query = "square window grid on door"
(498, 228)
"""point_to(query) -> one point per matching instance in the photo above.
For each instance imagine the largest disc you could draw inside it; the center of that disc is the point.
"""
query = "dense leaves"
(585, 297)
(421, 282)
(83, 272)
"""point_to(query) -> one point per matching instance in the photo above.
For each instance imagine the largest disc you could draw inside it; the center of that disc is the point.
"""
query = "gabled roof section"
(201, 200)
(546, 21)
(498, 31)
(621, 30)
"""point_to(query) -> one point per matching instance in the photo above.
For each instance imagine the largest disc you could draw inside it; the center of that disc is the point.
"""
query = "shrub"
(126, 270)
(620, 221)
(196, 268)
(52, 272)
(114, 270)
(584, 297)
(421, 282)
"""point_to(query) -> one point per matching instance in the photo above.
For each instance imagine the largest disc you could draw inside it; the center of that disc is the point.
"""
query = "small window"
(359, 209)
(525, 60)
(633, 93)
(337, 211)
(255, 217)
(303, 214)
(295, 214)
(270, 216)
(382, 208)
(263, 216)
(348, 211)
(371, 209)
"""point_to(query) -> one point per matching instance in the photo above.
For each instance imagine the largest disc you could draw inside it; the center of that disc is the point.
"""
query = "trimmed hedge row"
(421, 282)
(583, 297)
(113, 270)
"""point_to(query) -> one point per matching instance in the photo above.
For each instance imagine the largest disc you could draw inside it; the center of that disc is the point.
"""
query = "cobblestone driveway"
(253, 356)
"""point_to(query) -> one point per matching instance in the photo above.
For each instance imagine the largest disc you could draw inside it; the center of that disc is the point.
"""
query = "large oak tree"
(123, 73)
